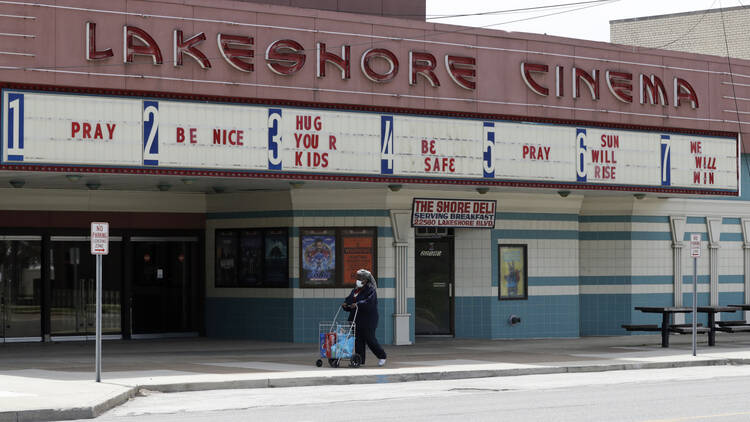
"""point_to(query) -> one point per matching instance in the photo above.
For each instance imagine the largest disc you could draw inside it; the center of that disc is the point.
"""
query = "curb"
(85, 412)
(91, 412)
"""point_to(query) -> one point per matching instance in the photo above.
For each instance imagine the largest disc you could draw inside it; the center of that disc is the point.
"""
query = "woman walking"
(363, 302)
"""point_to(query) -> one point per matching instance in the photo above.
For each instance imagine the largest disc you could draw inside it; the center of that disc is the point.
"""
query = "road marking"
(692, 418)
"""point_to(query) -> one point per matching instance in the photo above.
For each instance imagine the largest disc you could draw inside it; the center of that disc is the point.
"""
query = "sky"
(585, 20)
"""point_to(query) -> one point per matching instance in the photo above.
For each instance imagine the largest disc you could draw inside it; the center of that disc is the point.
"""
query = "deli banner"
(93, 130)
(458, 213)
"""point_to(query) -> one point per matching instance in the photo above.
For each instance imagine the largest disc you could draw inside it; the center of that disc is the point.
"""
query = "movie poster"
(251, 259)
(226, 259)
(358, 251)
(318, 256)
(513, 283)
(276, 258)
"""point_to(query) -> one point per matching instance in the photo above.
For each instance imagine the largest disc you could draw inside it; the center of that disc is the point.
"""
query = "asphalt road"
(712, 394)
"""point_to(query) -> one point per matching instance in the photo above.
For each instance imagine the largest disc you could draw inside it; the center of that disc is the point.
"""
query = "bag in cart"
(336, 342)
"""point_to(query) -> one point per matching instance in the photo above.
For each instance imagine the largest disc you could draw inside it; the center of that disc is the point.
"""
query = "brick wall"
(694, 32)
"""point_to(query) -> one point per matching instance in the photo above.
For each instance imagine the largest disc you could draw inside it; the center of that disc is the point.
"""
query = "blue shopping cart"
(337, 342)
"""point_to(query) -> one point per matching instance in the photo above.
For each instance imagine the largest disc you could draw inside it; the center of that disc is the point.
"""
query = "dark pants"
(367, 336)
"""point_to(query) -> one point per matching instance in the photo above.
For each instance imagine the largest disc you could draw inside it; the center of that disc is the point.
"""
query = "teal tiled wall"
(245, 318)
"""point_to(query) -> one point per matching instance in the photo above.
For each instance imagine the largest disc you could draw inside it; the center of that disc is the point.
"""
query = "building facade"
(250, 157)
(719, 32)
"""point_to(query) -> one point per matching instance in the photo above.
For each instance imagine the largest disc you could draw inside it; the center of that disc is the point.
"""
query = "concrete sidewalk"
(54, 381)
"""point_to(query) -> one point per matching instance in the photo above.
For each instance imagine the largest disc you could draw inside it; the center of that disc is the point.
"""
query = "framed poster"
(276, 263)
(318, 258)
(357, 251)
(226, 258)
(513, 276)
(250, 270)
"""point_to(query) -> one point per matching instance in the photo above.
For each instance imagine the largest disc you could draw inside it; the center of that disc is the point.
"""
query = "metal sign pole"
(99, 247)
(695, 253)
(695, 303)
(98, 318)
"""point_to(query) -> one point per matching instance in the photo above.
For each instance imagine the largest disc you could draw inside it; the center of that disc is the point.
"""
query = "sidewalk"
(54, 381)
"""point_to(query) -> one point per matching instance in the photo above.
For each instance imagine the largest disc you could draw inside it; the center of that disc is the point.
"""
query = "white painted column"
(677, 224)
(714, 234)
(746, 250)
(401, 223)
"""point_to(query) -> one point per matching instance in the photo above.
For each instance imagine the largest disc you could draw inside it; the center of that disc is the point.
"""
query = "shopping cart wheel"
(318, 363)
(355, 361)
(334, 363)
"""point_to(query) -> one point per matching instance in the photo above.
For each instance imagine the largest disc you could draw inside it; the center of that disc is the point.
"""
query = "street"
(713, 393)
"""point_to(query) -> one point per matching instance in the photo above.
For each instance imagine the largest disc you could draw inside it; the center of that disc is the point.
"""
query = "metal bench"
(737, 326)
(687, 329)
(646, 327)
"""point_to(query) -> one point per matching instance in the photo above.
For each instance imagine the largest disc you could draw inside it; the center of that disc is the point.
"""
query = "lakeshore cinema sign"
(461, 213)
(104, 131)
(287, 57)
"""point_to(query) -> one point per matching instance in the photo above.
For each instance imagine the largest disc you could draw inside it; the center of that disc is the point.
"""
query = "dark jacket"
(367, 305)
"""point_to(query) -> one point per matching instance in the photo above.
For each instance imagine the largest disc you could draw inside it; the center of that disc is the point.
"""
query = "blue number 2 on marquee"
(150, 133)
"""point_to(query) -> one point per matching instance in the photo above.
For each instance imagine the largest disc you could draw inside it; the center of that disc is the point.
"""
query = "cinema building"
(250, 157)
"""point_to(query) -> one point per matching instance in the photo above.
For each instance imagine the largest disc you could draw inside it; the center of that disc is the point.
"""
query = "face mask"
(359, 284)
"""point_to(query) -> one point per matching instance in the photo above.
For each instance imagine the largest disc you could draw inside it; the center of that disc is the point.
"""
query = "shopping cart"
(337, 342)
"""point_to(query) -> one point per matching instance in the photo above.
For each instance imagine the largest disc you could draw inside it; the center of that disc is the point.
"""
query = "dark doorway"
(433, 294)
(20, 288)
(73, 282)
(165, 289)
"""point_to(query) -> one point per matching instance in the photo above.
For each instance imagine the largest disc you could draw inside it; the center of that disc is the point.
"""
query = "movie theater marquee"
(87, 130)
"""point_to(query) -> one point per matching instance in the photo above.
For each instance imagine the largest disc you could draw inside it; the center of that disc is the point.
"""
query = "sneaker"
(381, 362)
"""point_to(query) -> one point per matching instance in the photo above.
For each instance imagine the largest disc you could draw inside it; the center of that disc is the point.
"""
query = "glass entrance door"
(20, 288)
(73, 280)
(164, 297)
(434, 286)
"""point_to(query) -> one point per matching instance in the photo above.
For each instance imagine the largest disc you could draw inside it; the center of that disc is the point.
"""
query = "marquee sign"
(62, 129)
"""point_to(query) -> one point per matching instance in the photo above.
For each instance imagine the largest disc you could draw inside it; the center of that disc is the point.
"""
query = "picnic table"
(666, 318)
(712, 311)
(737, 326)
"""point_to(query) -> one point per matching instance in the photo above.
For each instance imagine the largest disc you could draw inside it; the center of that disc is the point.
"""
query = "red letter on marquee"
(683, 91)
(384, 54)
(91, 52)
(526, 69)
(652, 88)
(422, 64)
(466, 70)
(591, 81)
(285, 57)
(619, 84)
(343, 62)
(234, 56)
(130, 49)
(188, 47)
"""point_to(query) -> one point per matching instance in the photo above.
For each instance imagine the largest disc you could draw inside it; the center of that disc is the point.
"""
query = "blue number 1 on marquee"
(150, 133)
(14, 133)
(386, 145)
